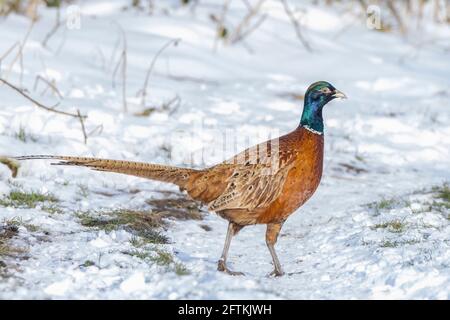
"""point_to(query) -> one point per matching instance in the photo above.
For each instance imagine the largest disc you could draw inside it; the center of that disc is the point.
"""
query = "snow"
(397, 119)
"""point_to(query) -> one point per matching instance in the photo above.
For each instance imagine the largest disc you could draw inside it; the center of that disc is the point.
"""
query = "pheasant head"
(316, 97)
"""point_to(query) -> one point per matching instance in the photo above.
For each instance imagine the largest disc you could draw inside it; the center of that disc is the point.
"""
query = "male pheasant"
(261, 185)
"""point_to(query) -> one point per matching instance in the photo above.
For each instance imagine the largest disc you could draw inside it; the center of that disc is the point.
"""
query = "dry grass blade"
(240, 32)
(396, 15)
(7, 52)
(83, 129)
(220, 24)
(296, 24)
(122, 62)
(247, 32)
(55, 28)
(152, 65)
(49, 85)
(19, 54)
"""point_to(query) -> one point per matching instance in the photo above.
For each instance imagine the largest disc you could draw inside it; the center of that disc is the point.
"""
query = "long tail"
(176, 175)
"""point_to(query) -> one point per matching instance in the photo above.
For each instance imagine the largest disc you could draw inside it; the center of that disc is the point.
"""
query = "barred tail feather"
(164, 173)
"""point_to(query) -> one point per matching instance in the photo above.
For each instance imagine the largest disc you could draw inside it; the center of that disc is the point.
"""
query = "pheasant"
(264, 184)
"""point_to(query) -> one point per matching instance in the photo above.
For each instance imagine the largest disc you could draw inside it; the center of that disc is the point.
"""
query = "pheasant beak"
(339, 94)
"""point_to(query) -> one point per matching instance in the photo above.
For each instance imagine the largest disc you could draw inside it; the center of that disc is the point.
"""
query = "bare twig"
(102, 57)
(220, 24)
(98, 128)
(152, 64)
(19, 54)
(116, 68)
(9, 50)
(50, 84)
(63, 42)
(363, 5)
(239, 30)
(55, 28)
(396, 15)
(247, 32)
(113, 53)
(437, 10)
(123, 63)
(176, 101)
(194, 79)
(38, 104)
(21, 66)
(124, 76)
(447, 11)
(17, 44)
(296, 24)
(247, 4)
(170, 107)
(83, 129)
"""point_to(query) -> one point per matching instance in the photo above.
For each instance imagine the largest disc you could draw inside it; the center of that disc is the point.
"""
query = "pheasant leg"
(233, 229)
(271, 238)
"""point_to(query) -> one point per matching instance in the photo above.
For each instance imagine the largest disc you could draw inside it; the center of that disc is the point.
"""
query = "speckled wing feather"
(257, 179)
(248, 188)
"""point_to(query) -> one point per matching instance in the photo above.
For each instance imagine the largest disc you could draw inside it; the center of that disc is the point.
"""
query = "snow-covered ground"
(389, 140)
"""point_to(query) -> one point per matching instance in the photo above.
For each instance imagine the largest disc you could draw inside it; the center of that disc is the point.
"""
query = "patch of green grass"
(360, 158)
(88, 263)
(7, 250)
(161, 258)
(393, 226)
(145, 225)
(154, 237)
(17, 222)
(23, 136)
(178, 208)
(83, 191)
(442, 196)
(395, 244)
(443, 192)
(52, 209)
(440, 202)
(424, 207)
(377, 205)
(388, 204)
(88, 220)
(19, 199)
(141, 254)
(181, 269)
(140, 223)
(8, 230)
(139, 242)
(389, 244)
(441, 206)
(164, 258)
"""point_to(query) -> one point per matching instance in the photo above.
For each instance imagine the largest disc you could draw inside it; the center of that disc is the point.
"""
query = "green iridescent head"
(316, 97)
